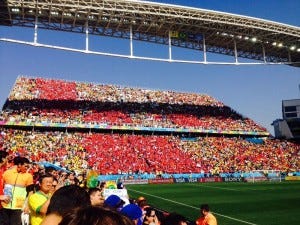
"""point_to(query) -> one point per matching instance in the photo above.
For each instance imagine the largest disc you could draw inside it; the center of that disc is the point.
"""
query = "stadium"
(177, 149)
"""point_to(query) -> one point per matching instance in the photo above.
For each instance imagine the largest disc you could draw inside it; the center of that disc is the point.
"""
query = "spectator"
(113, 202)
(39, 201)
(3, 161)
(174, 219)
(133, 212)
(96, 197)
(54, 185)
(15, 181)
(63, 201)
(142, 202)
(207, 218)
(92, 215)
(150, 217)
(3, 198)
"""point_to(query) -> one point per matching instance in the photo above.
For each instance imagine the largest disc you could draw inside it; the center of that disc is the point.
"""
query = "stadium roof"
(193, 28)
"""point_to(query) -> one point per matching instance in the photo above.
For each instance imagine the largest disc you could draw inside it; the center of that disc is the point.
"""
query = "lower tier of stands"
(147, 155)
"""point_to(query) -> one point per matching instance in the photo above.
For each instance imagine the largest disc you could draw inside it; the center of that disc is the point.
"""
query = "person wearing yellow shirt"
(207, 218)
(39, 201)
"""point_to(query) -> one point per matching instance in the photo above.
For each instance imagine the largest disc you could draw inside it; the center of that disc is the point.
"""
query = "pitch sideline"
(179, 203)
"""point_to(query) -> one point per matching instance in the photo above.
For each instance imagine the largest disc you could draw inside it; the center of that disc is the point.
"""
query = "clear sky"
(254, 91)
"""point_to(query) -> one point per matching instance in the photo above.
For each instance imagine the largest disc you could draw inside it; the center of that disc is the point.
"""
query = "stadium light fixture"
(274, 43)
(15, 10)
(298, 49)
(280, 45)
(246, 38)
(67, 14)
(293, 47)
(254, 39)
(54, 13)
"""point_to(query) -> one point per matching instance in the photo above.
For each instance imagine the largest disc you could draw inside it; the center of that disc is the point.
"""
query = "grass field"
(264, 203)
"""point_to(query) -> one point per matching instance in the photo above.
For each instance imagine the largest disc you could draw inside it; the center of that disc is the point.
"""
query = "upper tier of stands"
(49, 89)
(56, 101)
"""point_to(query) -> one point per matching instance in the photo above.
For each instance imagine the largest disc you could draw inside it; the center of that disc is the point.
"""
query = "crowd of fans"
(139, 154)
(82, 156)
(49, 89)
(57, 101)
(36, 100)
(35, 195)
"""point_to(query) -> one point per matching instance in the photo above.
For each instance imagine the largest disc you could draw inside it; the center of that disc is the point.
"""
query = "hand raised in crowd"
(5, 199)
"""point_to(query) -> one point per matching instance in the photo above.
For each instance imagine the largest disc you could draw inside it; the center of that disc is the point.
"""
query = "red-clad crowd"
(125, 152)
(129, 153)
(36, 100)
(58, 101)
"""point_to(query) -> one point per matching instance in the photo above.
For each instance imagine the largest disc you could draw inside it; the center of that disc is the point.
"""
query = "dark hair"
(204, 207)
(50, 169)
(67, 198)
(20, 160)
(43, 176)
(93, 215)
(3, 154)
(149, 210)
(174, 219)
(93, 190)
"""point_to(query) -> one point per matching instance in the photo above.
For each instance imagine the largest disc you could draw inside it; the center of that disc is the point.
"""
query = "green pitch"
(264, 203)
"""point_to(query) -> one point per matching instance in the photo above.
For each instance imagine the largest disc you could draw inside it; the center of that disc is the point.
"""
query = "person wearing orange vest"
(207, 218)
(15, 181)
(3, 162)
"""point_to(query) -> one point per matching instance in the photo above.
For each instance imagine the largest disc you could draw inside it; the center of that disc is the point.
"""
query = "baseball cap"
(132, 211)
(113, 201)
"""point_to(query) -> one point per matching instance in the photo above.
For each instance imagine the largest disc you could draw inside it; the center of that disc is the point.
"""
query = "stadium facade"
(289, 126)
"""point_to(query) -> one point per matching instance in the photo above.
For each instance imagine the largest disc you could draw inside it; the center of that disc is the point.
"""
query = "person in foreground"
(207, 218)
(63, 201)
(39, 201)
(16, 179)
(93, 215)
(174, 219)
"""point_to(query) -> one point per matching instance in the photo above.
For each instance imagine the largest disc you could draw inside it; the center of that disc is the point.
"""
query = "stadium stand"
(113, 105)
(130, 132)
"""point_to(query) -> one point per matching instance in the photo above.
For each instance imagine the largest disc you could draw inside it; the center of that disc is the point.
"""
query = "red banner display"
(136, 181)
(210, 179)
(161, 181)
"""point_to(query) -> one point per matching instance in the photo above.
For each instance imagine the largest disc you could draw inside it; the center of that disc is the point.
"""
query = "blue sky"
(254, 91)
